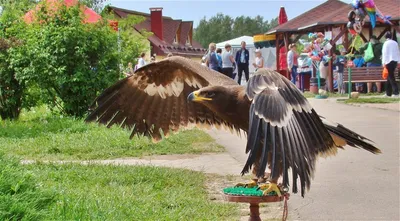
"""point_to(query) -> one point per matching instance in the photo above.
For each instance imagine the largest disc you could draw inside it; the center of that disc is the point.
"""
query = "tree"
(222, 27)
(69, 61)
(96, 5)
(218, 28)
(12, 91)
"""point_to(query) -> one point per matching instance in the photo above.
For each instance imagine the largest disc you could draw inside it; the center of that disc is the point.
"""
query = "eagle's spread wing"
(154, 98)
(285, 131)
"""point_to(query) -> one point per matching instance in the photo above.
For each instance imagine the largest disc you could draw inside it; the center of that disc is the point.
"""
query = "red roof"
(170, 30)
(52, 5)
(334, 12)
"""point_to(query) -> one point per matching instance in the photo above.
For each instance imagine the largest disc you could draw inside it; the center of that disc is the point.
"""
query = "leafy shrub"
(60, 60)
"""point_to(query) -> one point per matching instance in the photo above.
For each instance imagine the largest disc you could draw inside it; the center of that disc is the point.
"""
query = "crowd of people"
(226, 62)
(382, 55)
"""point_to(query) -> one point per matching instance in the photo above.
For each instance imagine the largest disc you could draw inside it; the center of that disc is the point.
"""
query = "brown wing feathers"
(154, 99)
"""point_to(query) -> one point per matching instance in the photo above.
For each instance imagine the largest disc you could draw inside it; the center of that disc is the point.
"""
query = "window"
(176, 39)
(188, 40)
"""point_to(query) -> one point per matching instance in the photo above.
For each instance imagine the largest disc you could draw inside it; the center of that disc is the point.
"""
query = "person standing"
(227, 61)
(242, 61)
(219, 58)
(340, 62)
(375, 61)
(212, 60)
(141, 61)
(390, 58)
(292, 62)
(259, 61)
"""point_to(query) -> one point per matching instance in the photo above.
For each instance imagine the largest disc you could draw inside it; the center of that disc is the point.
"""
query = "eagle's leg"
(255, 180)
(272, 184)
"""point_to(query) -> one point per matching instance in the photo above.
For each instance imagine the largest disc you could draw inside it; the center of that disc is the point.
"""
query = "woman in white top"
(228, 62)
(141, 61)
(259, 61)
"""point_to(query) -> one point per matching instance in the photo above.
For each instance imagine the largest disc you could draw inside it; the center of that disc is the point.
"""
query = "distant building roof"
(171, 29)
(334, 12)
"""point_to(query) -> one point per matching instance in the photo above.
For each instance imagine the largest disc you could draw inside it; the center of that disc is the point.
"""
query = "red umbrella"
(282, 16)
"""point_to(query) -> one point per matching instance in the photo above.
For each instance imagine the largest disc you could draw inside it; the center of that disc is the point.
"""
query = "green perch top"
(243, 191)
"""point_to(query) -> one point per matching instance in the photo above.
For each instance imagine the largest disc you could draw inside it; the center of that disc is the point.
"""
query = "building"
(324, 19)
(169, 35)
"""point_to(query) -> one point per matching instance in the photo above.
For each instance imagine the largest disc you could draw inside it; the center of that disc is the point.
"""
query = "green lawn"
(39, 134)
(100, 192)
(308, 94)
(370, 100)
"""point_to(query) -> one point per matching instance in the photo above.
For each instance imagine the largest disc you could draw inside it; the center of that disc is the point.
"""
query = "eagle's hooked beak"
(194, 96)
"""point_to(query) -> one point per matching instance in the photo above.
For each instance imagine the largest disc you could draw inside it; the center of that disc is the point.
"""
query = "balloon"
(357, 4)
(350, 26)
(351, 16)
(360, 13)
(357, 26)
(369, 6)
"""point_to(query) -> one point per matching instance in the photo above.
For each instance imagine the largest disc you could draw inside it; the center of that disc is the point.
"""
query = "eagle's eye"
(210, 94)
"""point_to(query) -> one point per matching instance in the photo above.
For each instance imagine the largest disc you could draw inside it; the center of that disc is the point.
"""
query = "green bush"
(21, 196)
(70, 60)
(11, 90)
(60, 60)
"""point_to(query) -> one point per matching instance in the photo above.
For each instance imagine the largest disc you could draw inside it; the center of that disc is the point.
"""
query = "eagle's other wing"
(154, 98)
(284, 126)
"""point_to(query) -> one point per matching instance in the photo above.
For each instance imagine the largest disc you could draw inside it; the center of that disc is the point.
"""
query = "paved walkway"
(354, 185)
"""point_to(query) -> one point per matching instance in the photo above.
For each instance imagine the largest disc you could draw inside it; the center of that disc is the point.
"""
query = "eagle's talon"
(247, 185)
(269, 187)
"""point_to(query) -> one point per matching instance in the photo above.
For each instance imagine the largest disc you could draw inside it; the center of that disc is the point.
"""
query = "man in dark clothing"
(340, 62)
(374, 62)
(242, 61)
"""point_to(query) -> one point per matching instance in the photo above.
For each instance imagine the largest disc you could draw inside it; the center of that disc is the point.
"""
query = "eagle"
(284, 133)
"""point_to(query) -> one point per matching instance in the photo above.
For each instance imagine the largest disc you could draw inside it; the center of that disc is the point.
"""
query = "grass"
(21, 198)
(105, 192)
(308, 94)
(370, 100)
(39, 134)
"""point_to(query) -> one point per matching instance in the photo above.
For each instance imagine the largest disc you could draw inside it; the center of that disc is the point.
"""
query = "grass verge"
(38, 134)
(21, 196)
(371, 100)
(308, 94)
(106, 192)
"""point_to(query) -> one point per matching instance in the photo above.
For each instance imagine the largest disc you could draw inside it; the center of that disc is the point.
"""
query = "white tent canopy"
(235, 43)
(269, 54)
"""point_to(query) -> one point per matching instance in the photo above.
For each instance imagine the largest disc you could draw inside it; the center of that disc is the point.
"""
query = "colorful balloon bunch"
(318, 48)
(361, 8)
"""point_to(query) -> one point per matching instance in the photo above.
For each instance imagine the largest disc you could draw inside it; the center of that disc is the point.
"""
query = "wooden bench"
(367, 74)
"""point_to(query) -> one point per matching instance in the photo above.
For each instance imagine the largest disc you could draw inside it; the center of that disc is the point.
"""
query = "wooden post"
(254, 212)
(349, 86)
(286, 40)
(394, 37)
(346, 39)
(383, 32)
(365, 40)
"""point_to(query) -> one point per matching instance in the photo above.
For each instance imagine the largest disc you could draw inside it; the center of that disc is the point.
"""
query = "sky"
(194, 10)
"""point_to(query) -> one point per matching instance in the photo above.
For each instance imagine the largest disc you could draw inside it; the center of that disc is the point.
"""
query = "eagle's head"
(229, 102)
